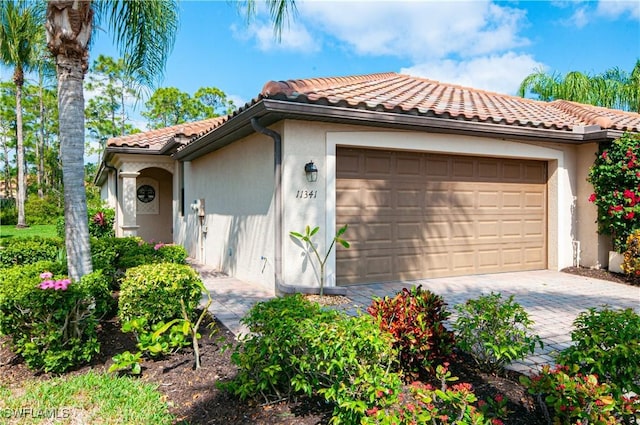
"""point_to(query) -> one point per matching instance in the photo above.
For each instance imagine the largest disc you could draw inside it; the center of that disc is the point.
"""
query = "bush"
(296, 347)
(28, 250)
(575, 398)
(607, 344)
(494, 331)
(153, 292)
(42, 211)
(101, 222)
(421, 403)
(615, 176)
(8, 211)
(415, 319)
(631, 262)
(52, 323)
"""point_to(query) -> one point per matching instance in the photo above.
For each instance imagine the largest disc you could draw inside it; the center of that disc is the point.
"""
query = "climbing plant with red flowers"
(615, 176)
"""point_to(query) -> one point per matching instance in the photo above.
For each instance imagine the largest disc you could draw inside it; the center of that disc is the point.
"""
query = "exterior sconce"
(311, 171)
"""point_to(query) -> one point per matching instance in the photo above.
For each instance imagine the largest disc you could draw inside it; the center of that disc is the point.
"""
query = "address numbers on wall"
(306, 194)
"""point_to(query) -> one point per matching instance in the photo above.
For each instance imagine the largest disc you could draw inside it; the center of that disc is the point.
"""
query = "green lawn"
(88, 398)
(44, 230)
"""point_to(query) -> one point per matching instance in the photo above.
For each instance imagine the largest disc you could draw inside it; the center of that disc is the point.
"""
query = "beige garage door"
(416, 215)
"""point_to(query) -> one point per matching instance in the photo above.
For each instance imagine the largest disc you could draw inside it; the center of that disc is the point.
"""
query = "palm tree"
(20, 25)
(145, 32)
(614, 88)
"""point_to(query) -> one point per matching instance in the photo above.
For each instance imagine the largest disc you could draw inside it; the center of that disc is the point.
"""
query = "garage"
(415, 215)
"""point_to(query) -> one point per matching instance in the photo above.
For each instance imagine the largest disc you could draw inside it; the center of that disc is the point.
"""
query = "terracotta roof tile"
(398, 93)
(154, 140)
(393, 92)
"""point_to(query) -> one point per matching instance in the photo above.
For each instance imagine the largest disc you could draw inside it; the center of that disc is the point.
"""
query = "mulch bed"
(194, 398)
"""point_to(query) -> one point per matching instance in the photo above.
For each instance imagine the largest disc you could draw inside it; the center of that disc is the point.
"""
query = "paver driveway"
(552, 299)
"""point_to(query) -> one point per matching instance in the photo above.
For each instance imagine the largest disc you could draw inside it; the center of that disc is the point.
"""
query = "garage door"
(416, 215)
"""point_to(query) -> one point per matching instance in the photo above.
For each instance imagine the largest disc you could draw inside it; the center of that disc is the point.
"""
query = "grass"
(44, 230)
(93, 398)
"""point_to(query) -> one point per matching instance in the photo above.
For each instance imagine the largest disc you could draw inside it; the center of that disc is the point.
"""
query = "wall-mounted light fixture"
(311, 171)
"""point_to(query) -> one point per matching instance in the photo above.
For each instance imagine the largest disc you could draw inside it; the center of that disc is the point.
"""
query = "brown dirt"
(603, 274)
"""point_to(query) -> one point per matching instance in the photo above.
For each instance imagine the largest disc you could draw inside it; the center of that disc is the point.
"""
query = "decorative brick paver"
(552, 299)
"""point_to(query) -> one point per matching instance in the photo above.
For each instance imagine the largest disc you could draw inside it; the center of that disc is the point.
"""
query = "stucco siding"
(237, 186)
(304, 141)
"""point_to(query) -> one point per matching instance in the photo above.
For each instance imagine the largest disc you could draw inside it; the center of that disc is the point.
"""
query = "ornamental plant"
(416, 319)
(304, 240)
(631, 262)
(494, 331)
(607, 344)
(51, 322)
(575, 398)
(615, 176)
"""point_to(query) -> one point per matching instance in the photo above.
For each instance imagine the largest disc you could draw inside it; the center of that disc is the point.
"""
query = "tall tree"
(614, 88)
(20, 29)
(169, 106)
(145, 32)
(114, 89)
(7, 132)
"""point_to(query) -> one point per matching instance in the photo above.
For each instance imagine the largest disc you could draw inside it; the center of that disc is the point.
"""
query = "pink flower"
(605, 154)
(47, 284)
(99, 219)
(629, 215)
(46, 275)
(158, 246)
(62, 284)
(592, 198)
(499, 398)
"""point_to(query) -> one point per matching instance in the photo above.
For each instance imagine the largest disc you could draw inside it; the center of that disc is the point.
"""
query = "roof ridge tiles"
(583, 112)
(290, 87)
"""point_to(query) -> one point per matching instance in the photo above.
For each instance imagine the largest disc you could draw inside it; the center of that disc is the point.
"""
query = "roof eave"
(272, 110)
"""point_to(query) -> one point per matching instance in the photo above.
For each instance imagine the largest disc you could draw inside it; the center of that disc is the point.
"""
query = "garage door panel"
(430, 215)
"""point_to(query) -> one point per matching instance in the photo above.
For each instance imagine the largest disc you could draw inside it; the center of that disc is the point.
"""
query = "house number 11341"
(306, 194)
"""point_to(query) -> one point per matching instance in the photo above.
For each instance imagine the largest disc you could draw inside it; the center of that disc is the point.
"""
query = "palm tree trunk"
(71, 112)
(40, 144)
(22, 190)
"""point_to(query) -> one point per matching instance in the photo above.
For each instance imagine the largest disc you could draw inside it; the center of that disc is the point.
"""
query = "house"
(433, 180)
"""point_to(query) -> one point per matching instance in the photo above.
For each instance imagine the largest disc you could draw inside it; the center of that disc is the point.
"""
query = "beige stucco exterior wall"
(594, 248)
(237, 233)
(568, 217)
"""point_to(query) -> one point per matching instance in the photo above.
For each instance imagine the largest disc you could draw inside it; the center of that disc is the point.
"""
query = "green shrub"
(296, 347)
(154, 291)
(28, 250)
(172, 254)
(42, 211)
(573, 398)
(631, 262)
(52, 324)
(421, 403)
(494, 331)
(8, 211)
(607, 344)
(415, 319)
(101, 222)
(155, 342)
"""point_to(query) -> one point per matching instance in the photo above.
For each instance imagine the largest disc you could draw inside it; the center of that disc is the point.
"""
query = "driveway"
(552, 299)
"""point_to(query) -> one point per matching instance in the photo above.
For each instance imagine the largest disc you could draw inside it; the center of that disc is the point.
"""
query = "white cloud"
(579, 18)
(294, 37)
(496, 73)
(619, 8)
(419, 30)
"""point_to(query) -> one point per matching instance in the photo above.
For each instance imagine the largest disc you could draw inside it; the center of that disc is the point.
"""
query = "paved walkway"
(552, 299)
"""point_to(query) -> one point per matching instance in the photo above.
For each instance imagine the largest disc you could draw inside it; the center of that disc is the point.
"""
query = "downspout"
(281, 288)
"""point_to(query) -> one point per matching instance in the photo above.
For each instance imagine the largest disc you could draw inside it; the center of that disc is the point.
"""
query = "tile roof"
(398, 93)
(154, 140)
(404, 94)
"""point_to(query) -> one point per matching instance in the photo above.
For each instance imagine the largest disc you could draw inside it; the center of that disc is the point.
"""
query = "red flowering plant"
(615, 176)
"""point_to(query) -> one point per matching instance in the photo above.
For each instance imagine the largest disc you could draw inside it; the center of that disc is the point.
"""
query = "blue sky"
(483, 44)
